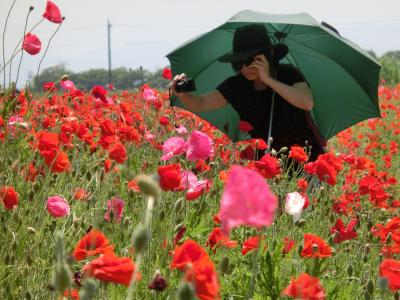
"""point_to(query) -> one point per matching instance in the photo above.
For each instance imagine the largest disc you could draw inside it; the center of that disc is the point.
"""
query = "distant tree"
(390, 72)
(53, 73)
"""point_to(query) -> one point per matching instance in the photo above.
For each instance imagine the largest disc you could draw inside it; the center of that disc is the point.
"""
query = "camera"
(186, 85)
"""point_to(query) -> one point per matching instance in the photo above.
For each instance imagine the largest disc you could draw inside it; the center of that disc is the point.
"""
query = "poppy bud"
(273, 153)
(148, 186)
(62, 277)
(283, 150)
(140, 238)
(300, 223)
(224, 265)
(31, 8)
(64, 77)
(383, 284)
(370, 287)
(350, 270)
(158, 283)
(88, 291)
(31, 230)
(300, 249)
(186, 292)
(178, 205)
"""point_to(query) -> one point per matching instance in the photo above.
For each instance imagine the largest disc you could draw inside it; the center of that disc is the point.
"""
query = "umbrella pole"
(271, 115)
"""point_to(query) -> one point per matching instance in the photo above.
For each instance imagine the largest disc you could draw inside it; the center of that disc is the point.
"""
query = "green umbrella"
(343, 77)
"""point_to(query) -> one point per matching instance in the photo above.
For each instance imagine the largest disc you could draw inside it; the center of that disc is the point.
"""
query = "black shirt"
(290, 125)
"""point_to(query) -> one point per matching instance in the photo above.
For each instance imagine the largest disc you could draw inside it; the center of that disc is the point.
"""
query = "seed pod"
(149, 186)
(186, 292)
(88, 291)
(224, 265)
(370, 287)
(350, 270)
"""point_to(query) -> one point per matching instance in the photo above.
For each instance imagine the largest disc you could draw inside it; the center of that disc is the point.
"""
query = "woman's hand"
(262, 65)
(174, 81)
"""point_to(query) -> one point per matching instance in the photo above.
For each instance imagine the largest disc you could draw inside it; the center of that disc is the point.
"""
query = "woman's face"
(249, 73)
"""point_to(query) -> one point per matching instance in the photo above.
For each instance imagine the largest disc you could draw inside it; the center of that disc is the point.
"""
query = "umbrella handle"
(271, 115)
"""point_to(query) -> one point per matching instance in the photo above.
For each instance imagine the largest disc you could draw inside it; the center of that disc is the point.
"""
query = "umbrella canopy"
(343, 77)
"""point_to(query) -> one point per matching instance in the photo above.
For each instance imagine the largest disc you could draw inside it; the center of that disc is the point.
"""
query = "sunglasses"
(238, 64)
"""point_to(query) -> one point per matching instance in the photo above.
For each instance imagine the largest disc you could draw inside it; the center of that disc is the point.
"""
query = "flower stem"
(22, 52)
(44, 54)
(4, 33)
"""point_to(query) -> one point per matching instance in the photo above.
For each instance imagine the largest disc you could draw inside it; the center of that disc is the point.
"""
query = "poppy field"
(112, 194)
(119, 196)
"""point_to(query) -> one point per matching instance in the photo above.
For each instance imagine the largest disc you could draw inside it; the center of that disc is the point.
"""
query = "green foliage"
(390, 62)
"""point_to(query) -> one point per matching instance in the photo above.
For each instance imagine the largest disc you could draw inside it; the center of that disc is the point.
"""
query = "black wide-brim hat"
(250, 40)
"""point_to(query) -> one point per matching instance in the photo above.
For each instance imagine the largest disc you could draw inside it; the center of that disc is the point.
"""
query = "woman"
(250, 92)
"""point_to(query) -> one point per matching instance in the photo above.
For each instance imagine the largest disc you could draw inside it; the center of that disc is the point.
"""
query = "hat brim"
(230, 57)
(279, 50)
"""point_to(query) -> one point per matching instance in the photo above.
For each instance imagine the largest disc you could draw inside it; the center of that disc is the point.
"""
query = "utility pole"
(109, 51)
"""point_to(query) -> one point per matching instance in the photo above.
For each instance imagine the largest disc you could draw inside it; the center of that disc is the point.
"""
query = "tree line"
(121, 78)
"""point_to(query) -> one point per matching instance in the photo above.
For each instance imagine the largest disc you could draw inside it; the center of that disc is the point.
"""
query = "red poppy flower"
(188, 253)
(31, 44)
(71, 294)
(170, 177)
(99, 92)
(52, 13)
(179, 235)
(325, 172)
(390, 269)
(298, 154)
(167, 74)
(288, 245)
(342, 233)
(250, 244)
(9, 197)
(205, 279)
(164, 120)
(302, 185)
(314, 246)
(245, 126)
(93, 243)
(107, 127)
(267, 166)
(58, 162)
(305, 287)
(217, 238)
(118, 153)
(49, 87)
(111, 268)
(48, 142)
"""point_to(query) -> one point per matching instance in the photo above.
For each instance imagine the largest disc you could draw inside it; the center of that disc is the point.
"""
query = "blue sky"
(143, 32)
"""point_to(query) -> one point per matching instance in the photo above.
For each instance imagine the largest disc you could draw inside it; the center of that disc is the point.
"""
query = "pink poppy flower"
(173, 146)
(149, 94)
(194, 187)
(200, 146)
(67, 85)
(31, 44)
(115, 209)
(57, 206)
(246, 200)
(181, 130)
